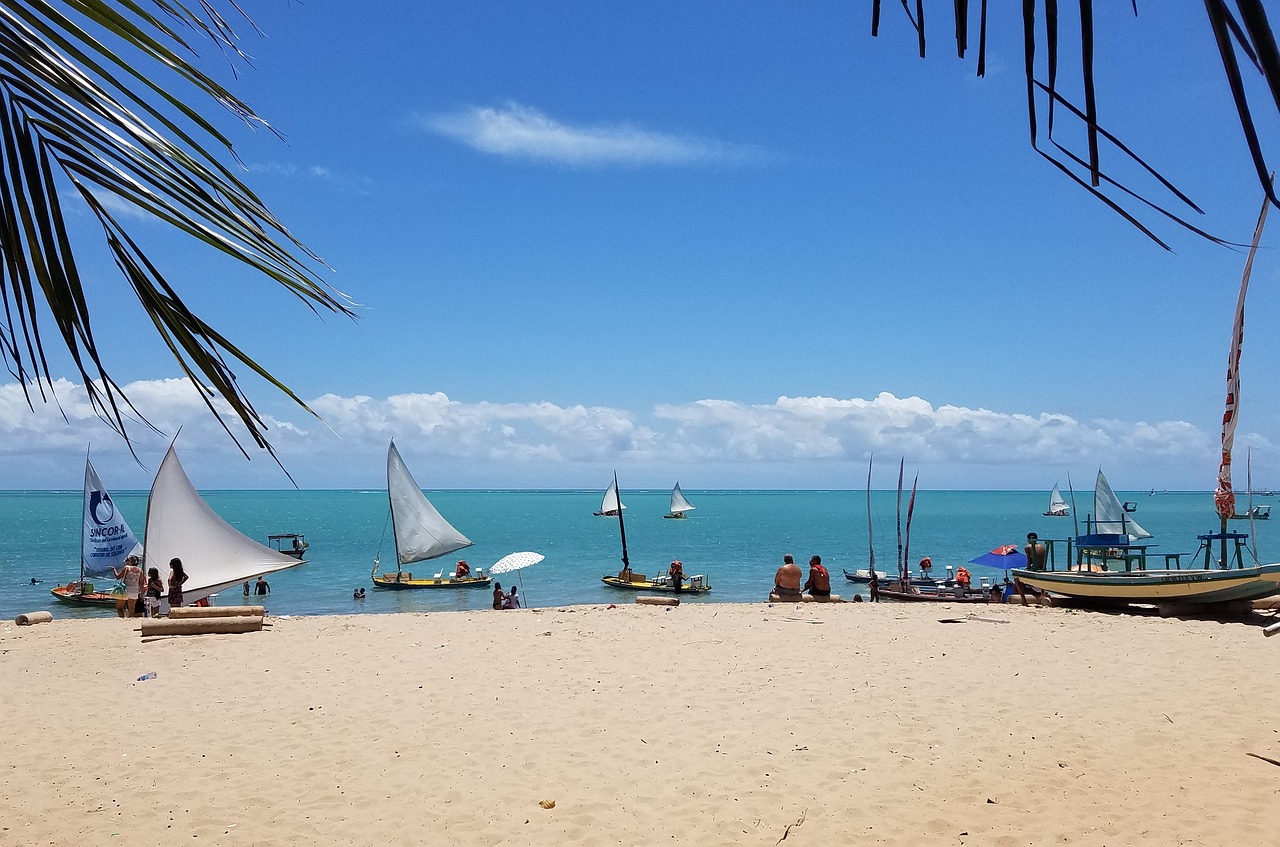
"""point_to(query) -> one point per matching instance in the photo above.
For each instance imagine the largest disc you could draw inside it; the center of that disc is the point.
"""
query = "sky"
(738, 245)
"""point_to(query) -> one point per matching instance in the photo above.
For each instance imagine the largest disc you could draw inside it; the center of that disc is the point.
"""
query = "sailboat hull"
(405, 581)
(676, 516)
(71, 594)
(695, 585)
(1162, 586)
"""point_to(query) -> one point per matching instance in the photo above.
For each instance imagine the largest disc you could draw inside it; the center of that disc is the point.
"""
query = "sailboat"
(420, 533)
(610, 505)
(1112, 536)
(214, 554)
(105, 542)
(1058, 507)
(629, 579)
(679, 505)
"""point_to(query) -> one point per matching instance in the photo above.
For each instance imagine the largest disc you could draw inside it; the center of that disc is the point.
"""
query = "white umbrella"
(514, 562)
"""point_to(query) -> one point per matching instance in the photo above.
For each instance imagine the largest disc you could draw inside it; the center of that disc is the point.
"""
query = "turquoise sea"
(736, 538)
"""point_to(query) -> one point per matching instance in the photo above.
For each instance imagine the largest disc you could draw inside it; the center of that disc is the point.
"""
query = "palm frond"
(85, 115)
(1250, 35)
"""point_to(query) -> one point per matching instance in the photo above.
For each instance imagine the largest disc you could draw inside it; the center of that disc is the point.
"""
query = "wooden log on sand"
(830, 598)
(658, 601)
(200, 626)
(216, 612)
(1271, 630)
(31, 618)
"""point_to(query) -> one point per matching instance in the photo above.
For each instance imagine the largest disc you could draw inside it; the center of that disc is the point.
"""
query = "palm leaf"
(83, 116)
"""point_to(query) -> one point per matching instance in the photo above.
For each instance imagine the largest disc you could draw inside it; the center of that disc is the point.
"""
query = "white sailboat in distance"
(610, 505)
(1058, 507)
(679, 505)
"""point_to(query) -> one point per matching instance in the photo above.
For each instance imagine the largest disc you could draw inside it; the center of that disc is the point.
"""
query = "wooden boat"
(994, 594)
(1260, 512)
(214, 554)
(1111, 538)
(679, 505)
(628, 579)
(105, 542)
(420, 534)
(862, 576)
(1058, 507)
(289, 543)
(611, 505)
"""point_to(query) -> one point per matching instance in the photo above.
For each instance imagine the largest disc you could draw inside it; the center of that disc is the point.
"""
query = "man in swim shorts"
(786, 582)
(819, 582)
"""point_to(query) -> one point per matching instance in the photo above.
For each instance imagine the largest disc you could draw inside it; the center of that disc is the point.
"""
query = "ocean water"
(736, 538)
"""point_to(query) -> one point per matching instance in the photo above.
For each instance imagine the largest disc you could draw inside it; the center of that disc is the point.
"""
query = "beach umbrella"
(516, 562)
(1004, 557)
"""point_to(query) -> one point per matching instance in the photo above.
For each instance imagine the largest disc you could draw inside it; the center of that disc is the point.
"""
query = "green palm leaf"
(79, 122)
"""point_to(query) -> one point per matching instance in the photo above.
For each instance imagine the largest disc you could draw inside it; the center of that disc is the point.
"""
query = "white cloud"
(818, 441)
(522, 132)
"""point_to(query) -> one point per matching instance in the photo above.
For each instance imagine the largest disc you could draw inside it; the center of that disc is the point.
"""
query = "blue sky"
(741, 245)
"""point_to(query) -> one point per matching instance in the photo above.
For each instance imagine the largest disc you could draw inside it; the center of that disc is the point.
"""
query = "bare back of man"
(787, 579)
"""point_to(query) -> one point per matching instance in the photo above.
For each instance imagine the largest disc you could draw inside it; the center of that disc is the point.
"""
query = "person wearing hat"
(131, 577)
(676, 572)
(1035, 551)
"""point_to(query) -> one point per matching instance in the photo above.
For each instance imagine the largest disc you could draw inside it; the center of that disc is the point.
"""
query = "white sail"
(421, 532)
(610, 502)
(1109, 515)
(678, 503)
(107, 539)
(214, 554)
(1057, 505)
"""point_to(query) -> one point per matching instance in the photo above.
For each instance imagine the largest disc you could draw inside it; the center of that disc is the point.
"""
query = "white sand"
(706, 724)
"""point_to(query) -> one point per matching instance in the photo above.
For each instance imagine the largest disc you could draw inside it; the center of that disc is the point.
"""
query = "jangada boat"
(1058, 507)
(420, 534)
(628, 579)
(610, 505)
(214, 554)
(1113, 537)
(105, 542)
(679, 505)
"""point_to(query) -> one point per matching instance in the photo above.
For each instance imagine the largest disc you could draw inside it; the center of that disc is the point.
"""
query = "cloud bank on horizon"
(517, 131)
(818, 442)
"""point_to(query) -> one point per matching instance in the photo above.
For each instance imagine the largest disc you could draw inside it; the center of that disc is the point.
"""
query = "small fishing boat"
(679, 505)
(289, 543)
(1058, 507)
(420, 534)
(628, 579)
(105, 542)
(862, 576)
(1130, 506)
(1113, 537)
(610, 505)
(993, 594)
(1259, 512)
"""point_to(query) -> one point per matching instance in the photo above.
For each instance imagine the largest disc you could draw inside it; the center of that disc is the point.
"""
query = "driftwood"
(31, 618)
(658, 601)
(200, 626)
(215, 612)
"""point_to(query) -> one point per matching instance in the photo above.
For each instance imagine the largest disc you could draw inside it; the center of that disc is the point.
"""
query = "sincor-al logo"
(101, 509)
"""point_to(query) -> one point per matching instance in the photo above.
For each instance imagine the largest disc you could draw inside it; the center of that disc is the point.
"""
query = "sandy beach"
(705, 724)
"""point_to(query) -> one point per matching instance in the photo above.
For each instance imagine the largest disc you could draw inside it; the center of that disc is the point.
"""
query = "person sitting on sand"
(786, 582)
(499, 598)
(513, 599)
(819, 582)
(462, 570)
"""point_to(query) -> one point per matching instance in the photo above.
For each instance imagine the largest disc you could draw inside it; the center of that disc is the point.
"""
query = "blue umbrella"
(1004, 557)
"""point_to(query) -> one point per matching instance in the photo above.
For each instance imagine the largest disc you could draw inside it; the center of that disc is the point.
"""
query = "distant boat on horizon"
(679, 505)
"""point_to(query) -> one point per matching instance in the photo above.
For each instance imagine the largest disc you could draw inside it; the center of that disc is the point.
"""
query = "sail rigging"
(420, 532)
(1109, 516)
(214, 554)
(106, 539)
(1224, 497)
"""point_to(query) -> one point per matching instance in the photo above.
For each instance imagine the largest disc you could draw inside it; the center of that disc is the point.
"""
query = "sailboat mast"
(622, 526)
(83, 516)
(870, 539)
(906, 547)
(901, 462)
(1224, 498)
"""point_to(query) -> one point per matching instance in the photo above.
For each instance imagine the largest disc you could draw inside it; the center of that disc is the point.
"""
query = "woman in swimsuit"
(177, 576)
(499, 598)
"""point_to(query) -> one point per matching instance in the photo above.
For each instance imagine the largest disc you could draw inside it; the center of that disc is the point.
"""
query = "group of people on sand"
(786, 582)
(138, 594)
